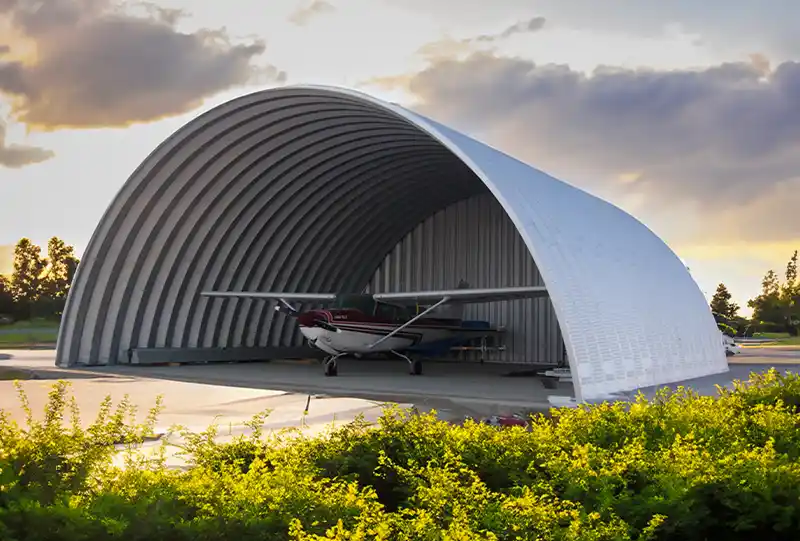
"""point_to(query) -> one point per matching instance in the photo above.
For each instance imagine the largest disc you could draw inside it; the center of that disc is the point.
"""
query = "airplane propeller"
(285, 308)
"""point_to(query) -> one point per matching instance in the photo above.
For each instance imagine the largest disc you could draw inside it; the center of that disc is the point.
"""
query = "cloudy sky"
(686, 114)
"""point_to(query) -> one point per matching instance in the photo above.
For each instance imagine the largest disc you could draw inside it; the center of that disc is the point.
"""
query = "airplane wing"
(273, 295)
(465, 295)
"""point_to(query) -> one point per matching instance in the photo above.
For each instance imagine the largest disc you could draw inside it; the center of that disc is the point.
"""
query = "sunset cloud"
(96, 64)
(16, 156)
(448, 48)
(523, 27)
(719, 144)
(304, 14)
(726, 26)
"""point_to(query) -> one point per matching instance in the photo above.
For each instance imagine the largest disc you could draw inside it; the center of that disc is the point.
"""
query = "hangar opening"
(321, 189)
(474, 240)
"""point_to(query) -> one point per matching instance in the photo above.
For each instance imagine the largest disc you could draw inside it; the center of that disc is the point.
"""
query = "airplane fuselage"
(358, 332)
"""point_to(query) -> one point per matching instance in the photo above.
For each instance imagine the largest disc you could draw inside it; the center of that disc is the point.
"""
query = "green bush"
(679, 466)
(727, 329)
(769, 327)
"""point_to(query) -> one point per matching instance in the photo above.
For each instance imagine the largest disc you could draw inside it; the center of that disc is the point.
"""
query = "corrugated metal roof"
(308, 188)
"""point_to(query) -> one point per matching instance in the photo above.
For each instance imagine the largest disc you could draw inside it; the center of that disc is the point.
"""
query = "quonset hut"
(311, 188)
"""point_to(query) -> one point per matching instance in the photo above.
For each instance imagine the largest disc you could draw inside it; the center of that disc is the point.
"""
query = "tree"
(61, 269)
(7, 306)
(791, 287)
(38, 286)
(29, 266)
(778, 304)
(722, 304)
(790, 296)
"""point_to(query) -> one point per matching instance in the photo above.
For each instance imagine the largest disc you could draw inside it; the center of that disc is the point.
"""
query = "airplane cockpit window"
(386, 311)
(363, 303)
(392, 312)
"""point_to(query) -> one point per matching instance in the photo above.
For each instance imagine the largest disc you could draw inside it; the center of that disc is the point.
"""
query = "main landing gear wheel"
(331, 367)
(415, 366)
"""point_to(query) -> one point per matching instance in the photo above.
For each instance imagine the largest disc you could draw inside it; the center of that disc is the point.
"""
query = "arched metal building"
(311, 188)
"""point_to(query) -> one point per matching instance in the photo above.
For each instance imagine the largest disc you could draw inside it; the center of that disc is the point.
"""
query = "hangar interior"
(295, 190)
(475, 240)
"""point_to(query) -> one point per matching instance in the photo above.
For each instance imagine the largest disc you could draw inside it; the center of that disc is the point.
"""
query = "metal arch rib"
(254, 227)
(252, 194)
(230, 207)
(210, 213)
(224, 163)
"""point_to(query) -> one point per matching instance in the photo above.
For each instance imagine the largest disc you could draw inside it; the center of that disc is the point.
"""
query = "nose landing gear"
(331, 365)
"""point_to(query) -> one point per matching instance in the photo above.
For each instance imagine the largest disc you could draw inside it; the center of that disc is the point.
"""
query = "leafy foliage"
(775, 310)
(39, 285)
(722, 304)
(679, 466)
(6, 296)
(727, 329)
(29, 266)
(778, 305)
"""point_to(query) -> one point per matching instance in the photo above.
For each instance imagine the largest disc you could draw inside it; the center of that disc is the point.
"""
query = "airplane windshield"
(364, 303)
(368, 305)
(393, 311)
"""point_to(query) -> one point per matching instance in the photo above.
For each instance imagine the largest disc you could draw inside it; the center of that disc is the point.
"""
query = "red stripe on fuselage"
(356, 318)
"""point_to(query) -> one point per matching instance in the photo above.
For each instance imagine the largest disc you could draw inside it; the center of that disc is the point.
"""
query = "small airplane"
(362, 324)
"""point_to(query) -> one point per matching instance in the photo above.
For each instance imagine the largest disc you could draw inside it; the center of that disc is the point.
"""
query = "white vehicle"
(731, 347)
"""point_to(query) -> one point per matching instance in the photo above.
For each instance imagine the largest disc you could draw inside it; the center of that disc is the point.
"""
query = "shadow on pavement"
(65, 374)
(43, 375)
(452, 388)
(41, 369)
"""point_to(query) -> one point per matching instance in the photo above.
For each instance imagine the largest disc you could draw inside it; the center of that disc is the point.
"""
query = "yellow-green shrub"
(680, 466)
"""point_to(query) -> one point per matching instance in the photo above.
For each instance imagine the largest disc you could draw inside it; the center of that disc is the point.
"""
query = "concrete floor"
(193, 405)
(454, 390)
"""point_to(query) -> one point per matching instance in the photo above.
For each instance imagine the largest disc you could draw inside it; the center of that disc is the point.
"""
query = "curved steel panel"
(310, 187)
(630, 313)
